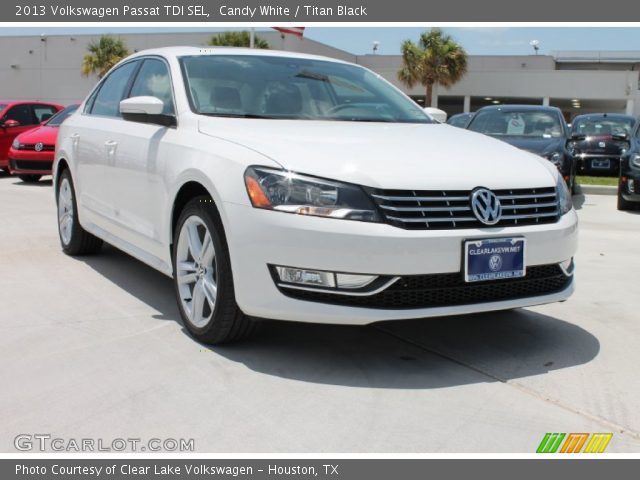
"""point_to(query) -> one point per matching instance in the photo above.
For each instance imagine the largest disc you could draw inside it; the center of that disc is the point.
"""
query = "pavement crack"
(514, 384)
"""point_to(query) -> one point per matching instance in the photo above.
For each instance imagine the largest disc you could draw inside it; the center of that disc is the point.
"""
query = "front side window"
(293, 88)
(21, 114)
(526, 123)
(112, 91)
(153, 80)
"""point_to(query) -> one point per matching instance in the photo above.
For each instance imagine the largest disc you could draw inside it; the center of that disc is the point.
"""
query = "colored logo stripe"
(574, 443)
(598, 442)
(550, 443)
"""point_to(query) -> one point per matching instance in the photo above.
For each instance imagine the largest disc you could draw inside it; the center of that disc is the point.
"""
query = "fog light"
(568, 267)
(631, 185)
(316, 278)
(349, 280)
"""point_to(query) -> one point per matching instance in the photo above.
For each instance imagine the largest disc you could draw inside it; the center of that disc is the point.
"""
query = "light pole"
(536, 45)
(376, 45)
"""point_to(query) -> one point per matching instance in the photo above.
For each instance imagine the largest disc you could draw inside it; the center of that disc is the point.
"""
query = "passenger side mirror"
(10, 124)
(620, 136)
(146, 110)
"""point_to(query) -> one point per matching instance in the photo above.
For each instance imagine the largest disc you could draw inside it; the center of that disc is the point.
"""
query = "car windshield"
(459, 120)
(249, 86)
(525, 123)
(61, 116)
(602, 126)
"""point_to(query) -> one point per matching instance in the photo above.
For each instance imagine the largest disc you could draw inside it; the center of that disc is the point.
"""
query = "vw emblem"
(486, 206)
(39, 147)
(602, 144)
(495, 263)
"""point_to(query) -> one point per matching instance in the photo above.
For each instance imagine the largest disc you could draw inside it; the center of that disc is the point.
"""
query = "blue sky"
(477, 40)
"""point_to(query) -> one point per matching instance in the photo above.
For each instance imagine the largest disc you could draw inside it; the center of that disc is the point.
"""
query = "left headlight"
(303, 195)
(564, 196)
(16, 145)
(635, 160)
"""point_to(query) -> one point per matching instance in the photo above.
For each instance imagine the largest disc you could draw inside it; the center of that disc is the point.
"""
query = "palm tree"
(436, 59)
(103, 54)
(237, 39)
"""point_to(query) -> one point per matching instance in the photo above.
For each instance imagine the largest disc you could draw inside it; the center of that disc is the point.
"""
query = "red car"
(17, 117)
(31, 153)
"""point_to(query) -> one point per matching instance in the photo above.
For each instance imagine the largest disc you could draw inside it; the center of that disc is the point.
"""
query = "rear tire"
(624, 205)
(30, 178)
(203, 279)
(74, 239)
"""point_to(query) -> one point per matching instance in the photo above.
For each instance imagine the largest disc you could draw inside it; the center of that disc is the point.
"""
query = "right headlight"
(303, 195)
(564, 196)
(16, 145)
(635, 160)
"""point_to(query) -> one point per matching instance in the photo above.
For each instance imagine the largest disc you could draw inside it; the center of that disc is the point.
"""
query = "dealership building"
(47, 67)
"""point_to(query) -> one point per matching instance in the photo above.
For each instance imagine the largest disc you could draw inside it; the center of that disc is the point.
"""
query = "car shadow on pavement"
(413, 354)
(578, 200)
(40, 183)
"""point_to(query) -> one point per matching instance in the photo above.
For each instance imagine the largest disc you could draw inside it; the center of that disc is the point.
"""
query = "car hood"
(386, 155)
(539, 146)
(42, 134)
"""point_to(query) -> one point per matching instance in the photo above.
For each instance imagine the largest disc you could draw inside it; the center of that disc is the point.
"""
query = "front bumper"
(259, 238)
(30, 162)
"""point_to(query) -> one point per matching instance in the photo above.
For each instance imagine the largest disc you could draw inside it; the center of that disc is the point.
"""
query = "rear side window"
(43, 112)
(153, 80)
(112, 91)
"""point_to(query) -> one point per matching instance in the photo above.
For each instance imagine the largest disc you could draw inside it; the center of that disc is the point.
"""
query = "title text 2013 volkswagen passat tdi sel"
(294, 187)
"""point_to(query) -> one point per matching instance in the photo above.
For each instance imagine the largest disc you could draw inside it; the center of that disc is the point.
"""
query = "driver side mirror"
(577, 136)
(146, 110)
(11, 124)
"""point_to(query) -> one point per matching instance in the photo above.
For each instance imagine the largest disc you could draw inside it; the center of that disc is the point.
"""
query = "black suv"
(537, 129)
(598, 140)
(629, 182)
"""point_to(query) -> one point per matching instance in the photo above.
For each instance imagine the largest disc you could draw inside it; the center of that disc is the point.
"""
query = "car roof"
(603, 115)
(213, 50)
(520, 108)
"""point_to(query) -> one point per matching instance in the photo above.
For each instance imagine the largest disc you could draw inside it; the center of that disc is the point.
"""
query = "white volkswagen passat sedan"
(295, 187)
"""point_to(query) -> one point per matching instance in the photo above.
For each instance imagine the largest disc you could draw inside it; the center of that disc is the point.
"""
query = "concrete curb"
(598, 189)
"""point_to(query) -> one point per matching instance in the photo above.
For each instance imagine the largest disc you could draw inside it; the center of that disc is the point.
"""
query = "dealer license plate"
(494, 259)
(604, 164)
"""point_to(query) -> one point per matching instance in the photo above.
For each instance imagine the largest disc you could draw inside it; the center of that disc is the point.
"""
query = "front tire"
(74, 239)
(202, 277)
(623, 204)
(30, 178)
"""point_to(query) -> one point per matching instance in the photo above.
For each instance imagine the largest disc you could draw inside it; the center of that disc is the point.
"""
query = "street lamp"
(376, 45)
(536, 45)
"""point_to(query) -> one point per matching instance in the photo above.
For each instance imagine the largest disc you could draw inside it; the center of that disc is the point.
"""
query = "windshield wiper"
(238, 115)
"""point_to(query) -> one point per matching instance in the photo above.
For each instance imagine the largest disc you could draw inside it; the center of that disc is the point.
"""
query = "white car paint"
(127, 176)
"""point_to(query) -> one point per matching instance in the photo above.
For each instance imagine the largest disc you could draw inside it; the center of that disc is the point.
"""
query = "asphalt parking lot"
(93, 348)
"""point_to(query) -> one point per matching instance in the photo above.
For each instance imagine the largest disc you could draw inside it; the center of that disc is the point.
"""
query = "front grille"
(31, 164)
(451, 209)
(447, 289)
(32, 146)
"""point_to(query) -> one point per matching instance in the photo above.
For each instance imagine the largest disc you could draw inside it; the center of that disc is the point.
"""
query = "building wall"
(48, 68)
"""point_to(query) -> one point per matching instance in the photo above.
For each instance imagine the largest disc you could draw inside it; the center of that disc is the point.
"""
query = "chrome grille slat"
(441, 210)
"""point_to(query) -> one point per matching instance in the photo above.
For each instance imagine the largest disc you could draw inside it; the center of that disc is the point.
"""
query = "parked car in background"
(536, 129)
(32, 152)
(629, 180)
(598, 140)
(269, 184)
(17, 117)
(460, 120)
